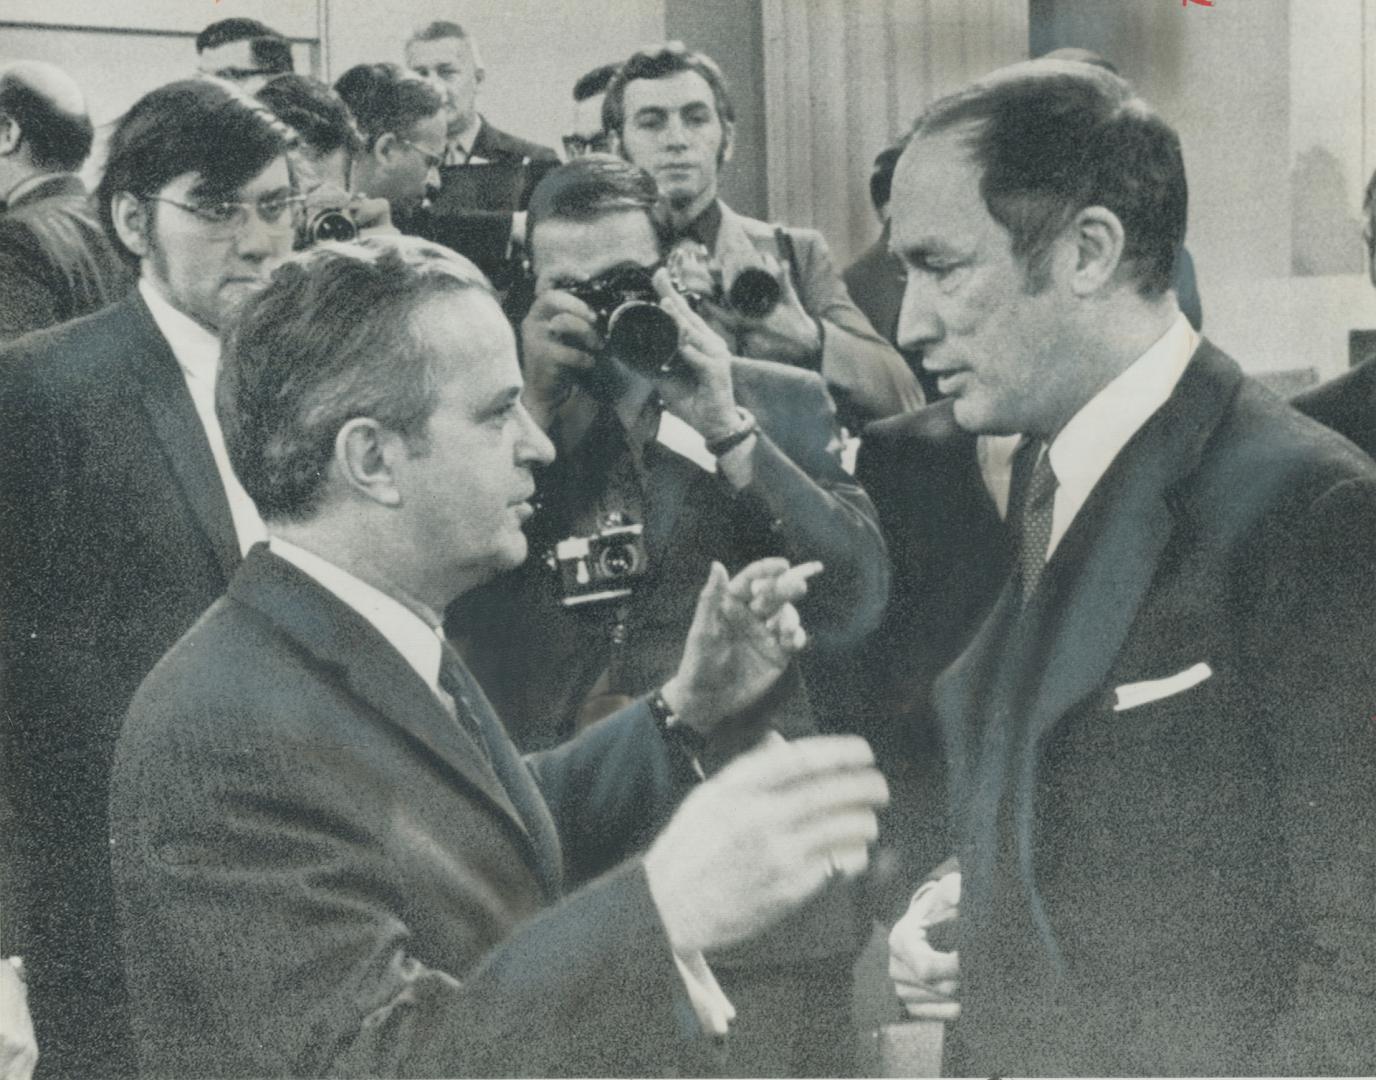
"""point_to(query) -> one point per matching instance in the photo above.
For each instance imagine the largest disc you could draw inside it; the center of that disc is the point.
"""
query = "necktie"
(454, 681)
(1031, 501)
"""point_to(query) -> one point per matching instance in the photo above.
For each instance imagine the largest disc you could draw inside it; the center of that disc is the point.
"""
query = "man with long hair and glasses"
(122, 518)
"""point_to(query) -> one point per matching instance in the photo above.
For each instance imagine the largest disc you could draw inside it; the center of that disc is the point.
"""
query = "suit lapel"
(178, 429)
(375, 673)
(1099, 574)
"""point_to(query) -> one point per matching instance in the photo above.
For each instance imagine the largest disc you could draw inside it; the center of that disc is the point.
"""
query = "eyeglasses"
(228, 217)
(432, 160)
(578, 145)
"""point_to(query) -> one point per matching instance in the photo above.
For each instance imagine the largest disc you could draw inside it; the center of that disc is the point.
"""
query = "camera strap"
(789, 251)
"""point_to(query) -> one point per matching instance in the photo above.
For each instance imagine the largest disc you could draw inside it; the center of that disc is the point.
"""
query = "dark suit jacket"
(484, 235)
(538, 660)
(1182, 886)
(1347, 404)
(56, 262)
(116, 536)
(320, 873)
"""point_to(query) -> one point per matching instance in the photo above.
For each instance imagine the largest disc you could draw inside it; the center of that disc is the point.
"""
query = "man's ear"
(385, 147)
(728, 140)
(1098, 237)
(11, 136)
(364, 455)
(133, 222)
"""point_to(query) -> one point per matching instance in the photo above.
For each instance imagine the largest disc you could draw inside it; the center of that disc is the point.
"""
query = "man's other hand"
(18, 1050)
(926, 980)
(559, 340)
(762, 836)
(744, 633)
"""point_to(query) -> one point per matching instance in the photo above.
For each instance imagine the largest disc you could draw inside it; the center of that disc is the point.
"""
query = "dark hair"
(205, 126)
(438, 30)
(270, 50)
(1052, 138)
(298, 362)
(881, 179)
(593, 82)
(588, 187)
(385, 97)
(660, 62)
(314, 111)
(58, 140)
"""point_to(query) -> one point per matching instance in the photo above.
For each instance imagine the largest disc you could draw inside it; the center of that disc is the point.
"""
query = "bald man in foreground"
(56, 262)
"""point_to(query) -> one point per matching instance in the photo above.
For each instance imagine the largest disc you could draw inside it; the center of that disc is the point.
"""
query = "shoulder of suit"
(766, 378)
(499, 140)
(764, 230)
(933, 425)
(74, 353)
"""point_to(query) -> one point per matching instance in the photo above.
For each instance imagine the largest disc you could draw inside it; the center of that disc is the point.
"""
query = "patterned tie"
(454, 681)
(1031, 501)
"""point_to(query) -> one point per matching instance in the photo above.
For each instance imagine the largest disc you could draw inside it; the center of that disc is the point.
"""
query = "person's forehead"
(561, 246)
(936, 188)
(449, 50)
(587, 115)
(467, 330)
(274, 176)
(675, 91)
(232, 54)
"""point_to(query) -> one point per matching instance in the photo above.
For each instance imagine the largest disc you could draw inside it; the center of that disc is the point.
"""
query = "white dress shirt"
(459, 149)
(1084, 449)
(198, 355)
(418, 641)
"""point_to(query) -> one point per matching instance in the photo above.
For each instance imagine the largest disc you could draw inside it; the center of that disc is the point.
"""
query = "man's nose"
(918, 324)
(534, 446)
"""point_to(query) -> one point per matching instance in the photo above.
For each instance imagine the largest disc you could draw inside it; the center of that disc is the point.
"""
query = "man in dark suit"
(1160, 739)
(446, 56)
(122, 520)
(724, 460)
(330, 859)
(669, 111)
(56, 263)
(1347, 404)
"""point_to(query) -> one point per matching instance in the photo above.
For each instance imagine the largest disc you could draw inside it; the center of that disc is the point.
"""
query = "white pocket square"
(1131, 695)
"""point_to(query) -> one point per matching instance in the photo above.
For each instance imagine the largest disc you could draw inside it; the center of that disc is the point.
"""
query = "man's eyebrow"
(500, 401)
(652, 110)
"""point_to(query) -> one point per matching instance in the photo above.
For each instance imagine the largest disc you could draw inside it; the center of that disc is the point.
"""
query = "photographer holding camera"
(328, 144)
(672, 453)
(669, 112)
(402, 122)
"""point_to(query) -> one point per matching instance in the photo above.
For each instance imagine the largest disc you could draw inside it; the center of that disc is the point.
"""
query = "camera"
(327, 223)
(600, 567)
(753, 293)
(635, 329)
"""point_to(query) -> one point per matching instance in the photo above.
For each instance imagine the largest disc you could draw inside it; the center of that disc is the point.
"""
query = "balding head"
(44, 116)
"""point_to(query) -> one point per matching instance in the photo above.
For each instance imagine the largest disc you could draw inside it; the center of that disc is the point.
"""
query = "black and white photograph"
(687, 538)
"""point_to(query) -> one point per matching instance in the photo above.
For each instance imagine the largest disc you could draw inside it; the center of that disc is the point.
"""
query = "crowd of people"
(469, 613)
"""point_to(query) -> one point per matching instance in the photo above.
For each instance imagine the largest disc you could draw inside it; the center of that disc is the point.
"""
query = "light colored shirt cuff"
(712, 1007)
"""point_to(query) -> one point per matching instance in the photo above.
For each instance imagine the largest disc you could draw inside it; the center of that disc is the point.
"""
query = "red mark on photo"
(1183, 3)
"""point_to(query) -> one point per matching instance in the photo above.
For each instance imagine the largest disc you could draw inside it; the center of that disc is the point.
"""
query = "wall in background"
(1273, 104)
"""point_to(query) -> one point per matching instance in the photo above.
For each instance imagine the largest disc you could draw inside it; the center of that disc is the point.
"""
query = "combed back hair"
(58, 140)
(1054, 137)
(588, 188)
(270, 50)
(385, 97)
(593, 82)
(440, 29)
(881, 178)
(298, 362)
(659, 62)
(314, 111)
(204, 126)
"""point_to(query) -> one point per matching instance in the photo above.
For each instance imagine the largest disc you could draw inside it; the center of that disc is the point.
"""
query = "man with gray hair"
(330, 859)
(56, 262)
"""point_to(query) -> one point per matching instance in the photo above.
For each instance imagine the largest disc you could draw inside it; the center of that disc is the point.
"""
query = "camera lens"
(617, 560)
(644, 336)
(754, 292)
(331, 225)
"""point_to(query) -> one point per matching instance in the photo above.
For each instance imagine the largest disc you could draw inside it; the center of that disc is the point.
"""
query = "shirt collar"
(197, 350)
(466, 139)
(1084, 449)
(416, 638)
(26, 185)
(705, 227)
